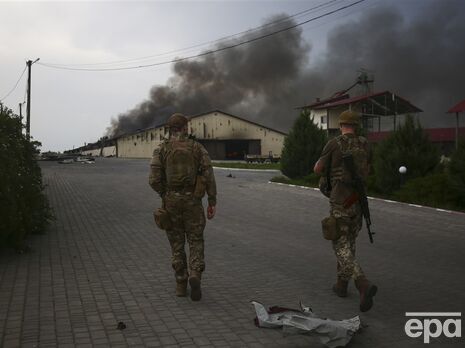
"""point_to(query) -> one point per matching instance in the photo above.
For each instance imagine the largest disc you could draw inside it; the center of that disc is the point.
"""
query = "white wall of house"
(320, 118)
(330, 116)
(215, 126)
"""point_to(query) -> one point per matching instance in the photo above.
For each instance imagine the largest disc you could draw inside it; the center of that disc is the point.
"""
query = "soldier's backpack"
(357, 147)
(180, 164)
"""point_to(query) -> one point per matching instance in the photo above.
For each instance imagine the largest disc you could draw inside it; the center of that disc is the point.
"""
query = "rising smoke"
(420, 59)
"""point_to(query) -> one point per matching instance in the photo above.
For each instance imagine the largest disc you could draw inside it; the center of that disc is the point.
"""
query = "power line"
(14, 87)
(225, 38)
(207, 52)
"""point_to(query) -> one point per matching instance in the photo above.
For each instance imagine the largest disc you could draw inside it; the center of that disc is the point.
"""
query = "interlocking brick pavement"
(103, 261)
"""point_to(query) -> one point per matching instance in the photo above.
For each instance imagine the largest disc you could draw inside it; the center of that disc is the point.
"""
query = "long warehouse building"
(225, 136)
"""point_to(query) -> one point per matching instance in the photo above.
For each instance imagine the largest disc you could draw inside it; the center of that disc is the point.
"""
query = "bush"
(408, 146)
(302, 147)
(457, 174)
(24, 209)
(432, 190)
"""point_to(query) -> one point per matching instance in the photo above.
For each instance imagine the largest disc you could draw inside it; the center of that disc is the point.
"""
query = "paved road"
(103, 261)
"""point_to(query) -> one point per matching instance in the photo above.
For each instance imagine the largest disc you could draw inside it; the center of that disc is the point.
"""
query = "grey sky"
(73, 107)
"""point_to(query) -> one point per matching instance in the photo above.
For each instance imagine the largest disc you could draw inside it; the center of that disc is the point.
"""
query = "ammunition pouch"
(333, 228)
(200, 187)
(162, 219)
(324, 186)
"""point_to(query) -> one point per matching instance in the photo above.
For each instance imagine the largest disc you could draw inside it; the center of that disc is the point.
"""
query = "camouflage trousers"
(188, 222)
(350, 222)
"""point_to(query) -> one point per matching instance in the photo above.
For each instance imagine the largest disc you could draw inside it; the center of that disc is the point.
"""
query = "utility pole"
(21, 113)
(28, 108)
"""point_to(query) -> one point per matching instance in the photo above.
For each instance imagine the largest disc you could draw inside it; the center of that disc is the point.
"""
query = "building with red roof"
(380, 111)
(457, 109)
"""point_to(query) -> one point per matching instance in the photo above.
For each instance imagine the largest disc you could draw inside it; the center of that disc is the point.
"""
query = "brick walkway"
(103, 261)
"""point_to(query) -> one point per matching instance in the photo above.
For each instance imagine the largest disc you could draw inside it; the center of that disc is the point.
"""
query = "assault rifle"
(359, 187)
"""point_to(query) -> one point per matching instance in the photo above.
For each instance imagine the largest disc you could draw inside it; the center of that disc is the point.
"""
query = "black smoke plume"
(420, 58)
(240, 80)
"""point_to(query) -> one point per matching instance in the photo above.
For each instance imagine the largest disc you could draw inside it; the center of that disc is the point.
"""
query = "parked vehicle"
(270, 158)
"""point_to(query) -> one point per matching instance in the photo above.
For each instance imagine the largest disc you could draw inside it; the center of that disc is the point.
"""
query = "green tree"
(457, 174)
(24, 209)
(408, 146)
(302, 147)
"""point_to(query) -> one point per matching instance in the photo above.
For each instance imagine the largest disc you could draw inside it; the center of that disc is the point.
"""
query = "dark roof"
(385, 103)
(326, 101)
(460, 107)
(164, 122)
(436, 135)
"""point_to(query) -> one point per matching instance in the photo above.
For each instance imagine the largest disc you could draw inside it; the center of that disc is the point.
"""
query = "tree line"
(428, 180)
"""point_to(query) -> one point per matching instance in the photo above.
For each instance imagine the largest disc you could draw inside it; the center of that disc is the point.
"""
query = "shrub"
(432, 190)
(408, 146)
(457, 174)
(24, 209)
(302, 147)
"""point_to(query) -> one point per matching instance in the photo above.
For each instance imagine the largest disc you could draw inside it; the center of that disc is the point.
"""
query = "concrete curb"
(378, 199)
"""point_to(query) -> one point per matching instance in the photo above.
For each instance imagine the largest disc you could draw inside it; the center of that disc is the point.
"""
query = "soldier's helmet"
(177, 121)
(349, 117)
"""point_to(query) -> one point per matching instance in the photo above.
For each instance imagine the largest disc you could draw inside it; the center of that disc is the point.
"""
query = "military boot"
(181, 283)
(194, 282)
(181, 288)
(340, 288)
(367, 292)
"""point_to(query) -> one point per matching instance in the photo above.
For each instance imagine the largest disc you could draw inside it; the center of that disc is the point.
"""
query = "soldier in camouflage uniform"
(181, 173)
(344, 205)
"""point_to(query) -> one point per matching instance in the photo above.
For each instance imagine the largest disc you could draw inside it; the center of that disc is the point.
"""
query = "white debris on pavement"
(332, 333)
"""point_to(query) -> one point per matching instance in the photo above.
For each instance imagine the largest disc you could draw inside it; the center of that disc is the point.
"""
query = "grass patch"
(275, 166)
(430, 191)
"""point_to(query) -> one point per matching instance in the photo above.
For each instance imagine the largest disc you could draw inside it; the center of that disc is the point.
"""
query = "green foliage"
(457, 174)
(432, 190)
(408, 146)
(24, 208)
(302, 147)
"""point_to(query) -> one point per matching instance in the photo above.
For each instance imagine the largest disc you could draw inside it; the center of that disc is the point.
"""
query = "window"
(323, 120)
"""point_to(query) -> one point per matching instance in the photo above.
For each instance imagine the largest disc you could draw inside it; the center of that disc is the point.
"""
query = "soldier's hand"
(211, 210)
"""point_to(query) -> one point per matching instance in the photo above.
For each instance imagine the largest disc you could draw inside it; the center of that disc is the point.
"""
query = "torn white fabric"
(332, 333)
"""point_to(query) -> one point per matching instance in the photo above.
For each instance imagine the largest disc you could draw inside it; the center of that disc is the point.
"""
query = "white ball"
(402, 170)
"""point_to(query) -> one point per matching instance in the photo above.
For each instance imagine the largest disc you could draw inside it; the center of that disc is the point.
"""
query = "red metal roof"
(436, 135)
(460, 107)
(365, 97)
(334, 98)
(346, 101)
(401, 105)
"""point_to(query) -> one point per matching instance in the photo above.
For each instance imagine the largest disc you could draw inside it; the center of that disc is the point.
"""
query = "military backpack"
(181, 166)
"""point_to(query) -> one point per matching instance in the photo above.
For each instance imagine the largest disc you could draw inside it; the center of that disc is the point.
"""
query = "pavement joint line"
(380, 199)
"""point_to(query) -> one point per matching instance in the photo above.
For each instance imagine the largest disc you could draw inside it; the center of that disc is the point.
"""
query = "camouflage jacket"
(157, 178)
(331, 156)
